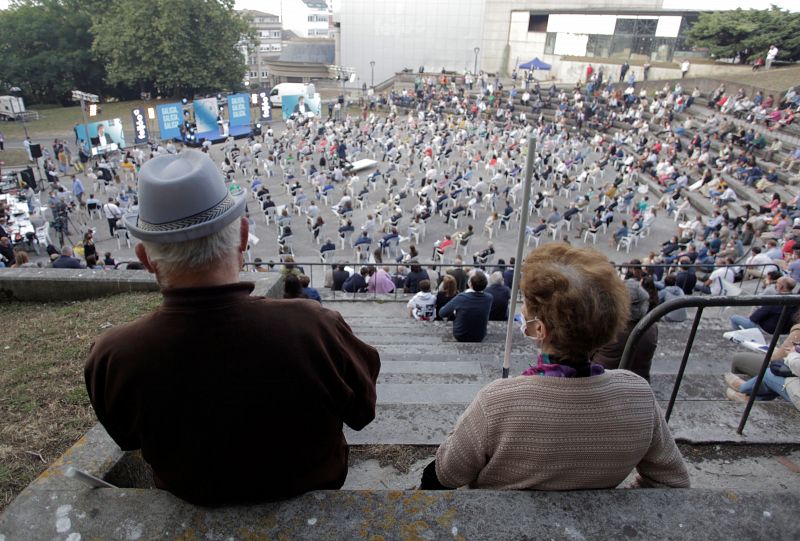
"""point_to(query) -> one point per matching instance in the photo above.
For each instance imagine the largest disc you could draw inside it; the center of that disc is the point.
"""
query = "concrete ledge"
(56, 507)
(48, 285)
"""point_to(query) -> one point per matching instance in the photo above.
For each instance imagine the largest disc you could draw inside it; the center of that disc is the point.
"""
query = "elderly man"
(230, 397)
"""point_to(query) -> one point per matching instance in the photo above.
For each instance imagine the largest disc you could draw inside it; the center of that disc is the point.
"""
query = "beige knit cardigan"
(548, 433)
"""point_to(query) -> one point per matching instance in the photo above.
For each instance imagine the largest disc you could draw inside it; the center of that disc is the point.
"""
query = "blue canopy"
(535, 64)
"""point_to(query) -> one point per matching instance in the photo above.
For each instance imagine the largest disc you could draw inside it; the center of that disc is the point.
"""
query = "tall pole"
(372, 77)
(526, 197)
(475, 68)
(86, 125)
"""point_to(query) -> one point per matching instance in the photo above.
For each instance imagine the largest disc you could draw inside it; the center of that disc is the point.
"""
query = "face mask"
(523, 326)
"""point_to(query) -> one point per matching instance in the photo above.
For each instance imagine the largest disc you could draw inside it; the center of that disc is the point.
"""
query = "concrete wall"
(48, 285)
(409, 34)
(498, 18)
(569, 71)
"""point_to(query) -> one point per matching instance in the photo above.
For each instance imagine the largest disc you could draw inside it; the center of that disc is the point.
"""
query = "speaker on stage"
(36, 150)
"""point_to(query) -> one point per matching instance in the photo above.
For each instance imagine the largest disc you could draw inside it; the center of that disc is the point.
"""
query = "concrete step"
(722, 466)
(453, 387)
(693, 421)
(712, 515)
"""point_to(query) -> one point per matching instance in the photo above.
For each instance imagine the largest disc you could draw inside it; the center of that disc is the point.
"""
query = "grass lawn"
(44, 407)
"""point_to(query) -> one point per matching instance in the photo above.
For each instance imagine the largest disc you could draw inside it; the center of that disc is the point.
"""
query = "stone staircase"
(743, 486)
(427, 379)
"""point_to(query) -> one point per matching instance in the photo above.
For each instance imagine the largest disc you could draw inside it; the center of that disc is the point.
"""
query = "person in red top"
(589, 71)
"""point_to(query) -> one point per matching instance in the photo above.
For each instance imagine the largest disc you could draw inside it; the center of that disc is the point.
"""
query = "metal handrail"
(422, 263)
(701, 303)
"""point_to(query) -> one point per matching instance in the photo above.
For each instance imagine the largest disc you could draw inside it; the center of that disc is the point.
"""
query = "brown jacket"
(232, 397)
(611, 354)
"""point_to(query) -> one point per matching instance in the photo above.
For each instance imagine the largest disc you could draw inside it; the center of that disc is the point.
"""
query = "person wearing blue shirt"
(508, 274)
(309, 291)
(500, 296)
(471, 310)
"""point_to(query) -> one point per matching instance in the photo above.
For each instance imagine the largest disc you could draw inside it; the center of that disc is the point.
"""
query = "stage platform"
(238, 132)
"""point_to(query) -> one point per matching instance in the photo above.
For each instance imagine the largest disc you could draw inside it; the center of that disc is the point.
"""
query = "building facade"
(495, 35)
(407, 34)
(306, 18)
(269, 30)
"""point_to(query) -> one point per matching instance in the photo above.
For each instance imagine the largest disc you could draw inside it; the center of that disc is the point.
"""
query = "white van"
(286, 89)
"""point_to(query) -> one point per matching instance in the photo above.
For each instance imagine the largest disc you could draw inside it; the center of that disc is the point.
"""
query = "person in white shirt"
(113, 214)
(758, 258)
(422, 306)
(684, 68)
(720, 280)
(771, 55)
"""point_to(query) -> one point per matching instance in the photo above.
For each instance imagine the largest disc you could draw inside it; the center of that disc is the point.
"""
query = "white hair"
(496, 278)
(197, 253)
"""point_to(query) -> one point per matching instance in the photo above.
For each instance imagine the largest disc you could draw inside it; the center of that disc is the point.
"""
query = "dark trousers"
(112, 225)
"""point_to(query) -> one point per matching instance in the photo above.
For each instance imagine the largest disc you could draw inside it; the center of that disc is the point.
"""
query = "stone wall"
(47, 285)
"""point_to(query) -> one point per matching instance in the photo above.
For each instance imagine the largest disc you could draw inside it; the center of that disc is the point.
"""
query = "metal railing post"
(700, 303)
(686, 351)
(512, 308)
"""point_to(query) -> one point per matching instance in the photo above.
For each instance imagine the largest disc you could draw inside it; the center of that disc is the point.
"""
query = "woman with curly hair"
(565, 423)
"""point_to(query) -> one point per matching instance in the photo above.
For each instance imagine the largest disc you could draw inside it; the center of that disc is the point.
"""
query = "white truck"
(11, 108)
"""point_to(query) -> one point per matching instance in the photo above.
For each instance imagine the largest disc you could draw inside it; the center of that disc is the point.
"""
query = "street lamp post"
(14, 90)
(372, 78)
(475, 68)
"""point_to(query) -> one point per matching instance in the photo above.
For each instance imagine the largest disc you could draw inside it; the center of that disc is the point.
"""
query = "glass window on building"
(641, 47)
(621, 46)
(625, 26)
(646, 27)
(538, 23)
(598, 45)
(635, 39)
(550, 43)
(661, 50)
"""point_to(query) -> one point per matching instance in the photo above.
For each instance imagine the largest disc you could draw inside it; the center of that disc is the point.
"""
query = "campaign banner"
(170, 116)
(289, 105)
(140, 132)
(104, 136)
(265, 107)
(205, 115)
(239, 110)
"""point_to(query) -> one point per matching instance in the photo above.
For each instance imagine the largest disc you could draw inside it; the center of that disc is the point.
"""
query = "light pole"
(14, 90)
(372, 77)
(475, 68)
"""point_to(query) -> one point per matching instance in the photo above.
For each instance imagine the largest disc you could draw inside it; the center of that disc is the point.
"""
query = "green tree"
(45, 49)
(728, 34)
(175, 47)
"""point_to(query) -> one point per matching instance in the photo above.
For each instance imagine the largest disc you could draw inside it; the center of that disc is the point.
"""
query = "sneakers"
(733, 381)
(735, 396)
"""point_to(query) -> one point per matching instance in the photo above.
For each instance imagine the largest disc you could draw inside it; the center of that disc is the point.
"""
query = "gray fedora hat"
(182, 197)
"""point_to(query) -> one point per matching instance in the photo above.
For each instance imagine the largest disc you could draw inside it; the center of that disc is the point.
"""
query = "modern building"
(388, 36)
(306, 18)
(302, 61)
(269, 30)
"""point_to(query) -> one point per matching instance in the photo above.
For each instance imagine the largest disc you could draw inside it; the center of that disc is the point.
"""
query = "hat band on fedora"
(184, 223)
